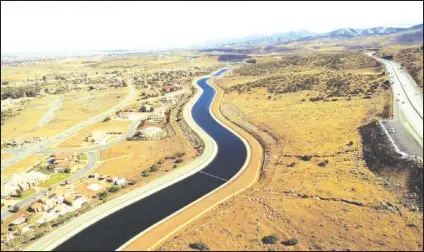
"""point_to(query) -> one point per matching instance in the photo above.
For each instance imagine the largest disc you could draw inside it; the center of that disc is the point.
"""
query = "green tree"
(154, 168)
(102, 195)
(82, 156)
(50, 167)
(16, 208)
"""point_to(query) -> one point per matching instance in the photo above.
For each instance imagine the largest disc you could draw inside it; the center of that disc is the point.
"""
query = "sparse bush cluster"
(323, 163)
(270, 239)
(329, 83)
(20, 91)
(333, 61)
(305, 158)
(199, 246)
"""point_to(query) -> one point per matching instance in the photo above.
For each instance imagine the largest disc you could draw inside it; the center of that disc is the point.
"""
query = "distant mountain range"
(305, 35)
(273, 39)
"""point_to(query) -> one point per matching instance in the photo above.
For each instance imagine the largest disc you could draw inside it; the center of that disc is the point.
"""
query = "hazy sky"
(47, 26)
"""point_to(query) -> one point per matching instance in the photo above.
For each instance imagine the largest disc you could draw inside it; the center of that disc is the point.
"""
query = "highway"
(407, 109)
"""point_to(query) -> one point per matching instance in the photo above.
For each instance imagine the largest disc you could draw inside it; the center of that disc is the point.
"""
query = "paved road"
(92, 157)
(132, 128)
(407, 107)
(37, 147)
(49, 115)
(403, 139)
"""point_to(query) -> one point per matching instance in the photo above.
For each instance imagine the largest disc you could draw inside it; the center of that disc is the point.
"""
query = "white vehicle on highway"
(392, 130)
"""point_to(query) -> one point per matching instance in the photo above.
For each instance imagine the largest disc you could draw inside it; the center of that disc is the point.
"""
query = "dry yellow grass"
(27, 118)
(304, 202)
(5, 155)
(21, 166)
(366, 70)
(327, 207)
(310, 127)
(227, 82)
(77, 107)
(78, 140)
(129, 159)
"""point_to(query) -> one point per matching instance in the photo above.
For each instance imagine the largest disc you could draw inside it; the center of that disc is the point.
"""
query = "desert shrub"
(270, 239)
(199, 246)
(315, 99)
(18, 193)
(178, 161)
(82, 156)
(290, 242)
(305, 158)
(18, 92)
(37, 236)
(107, 119)
(114, 188)
(180, 154)
(102, 195)
(291, 164)
(67, 170)
(154, 168)
(323, 163)
(16, 208)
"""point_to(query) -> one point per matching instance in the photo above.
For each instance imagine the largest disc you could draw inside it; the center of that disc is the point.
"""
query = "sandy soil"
(129, 159)
(78, 140)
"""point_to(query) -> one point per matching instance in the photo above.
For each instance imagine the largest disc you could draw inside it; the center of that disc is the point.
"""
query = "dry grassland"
(77, 107)
(130, 159)
(331, 202)
(78, 140)
(20, 166)
(5, 155)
